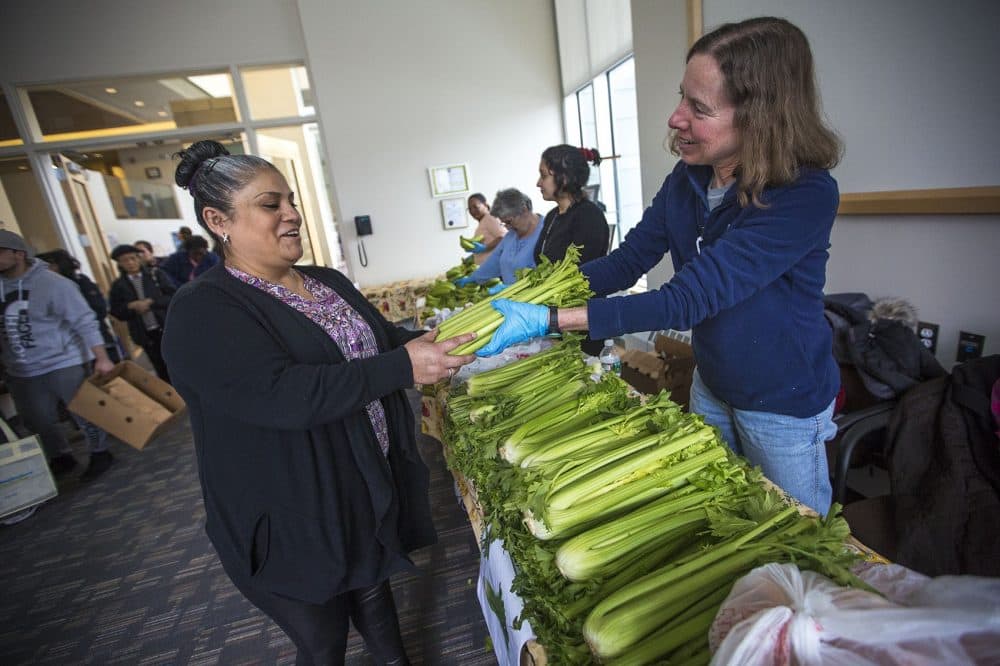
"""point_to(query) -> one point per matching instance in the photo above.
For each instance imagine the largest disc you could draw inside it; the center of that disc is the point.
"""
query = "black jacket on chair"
(944, 466)
(156, 285)
(299, 499)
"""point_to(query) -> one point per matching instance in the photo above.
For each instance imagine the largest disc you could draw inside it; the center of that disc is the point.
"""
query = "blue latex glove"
(521, 321)
(462, 281)
(478, 247)
(497, 288)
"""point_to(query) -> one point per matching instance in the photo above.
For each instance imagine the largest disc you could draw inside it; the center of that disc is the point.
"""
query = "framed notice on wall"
(453, 213)
(449, 179)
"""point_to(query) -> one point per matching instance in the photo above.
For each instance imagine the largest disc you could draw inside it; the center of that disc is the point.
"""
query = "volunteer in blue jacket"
(746, 216)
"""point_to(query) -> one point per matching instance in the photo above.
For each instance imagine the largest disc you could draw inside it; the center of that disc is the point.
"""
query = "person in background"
(68, 266)
(187, 264)
(515, 250)
(146, 254)
(314, 489)
(139, 297)
(576, 220)
(489, 228)
(184, 235)
(746, 216)
(50, 341)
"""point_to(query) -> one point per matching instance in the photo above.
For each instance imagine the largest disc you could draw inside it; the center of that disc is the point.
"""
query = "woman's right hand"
(430, 360)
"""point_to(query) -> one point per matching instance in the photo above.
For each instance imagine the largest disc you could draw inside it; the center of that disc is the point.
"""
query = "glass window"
(22, 205)
(588, 119)
(571, 115)
(625, 125)
(296, 151)
(603, 115)
(8, 130)
(111, 107)
(605, 172)
(278, 92)
(137, 179)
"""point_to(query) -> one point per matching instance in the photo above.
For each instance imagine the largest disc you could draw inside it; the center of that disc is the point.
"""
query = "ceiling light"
(216, 85)
(22, 167)
(139, 103)
(162, 114)
(111, 91)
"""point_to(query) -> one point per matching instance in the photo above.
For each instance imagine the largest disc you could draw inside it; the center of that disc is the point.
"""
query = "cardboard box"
(670, 367)
(129, 403)
(25, 479)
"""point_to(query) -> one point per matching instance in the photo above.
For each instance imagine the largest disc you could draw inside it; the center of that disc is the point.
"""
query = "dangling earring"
(225, 238)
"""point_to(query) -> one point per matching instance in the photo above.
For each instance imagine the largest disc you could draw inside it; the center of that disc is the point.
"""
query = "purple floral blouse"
(342, 323)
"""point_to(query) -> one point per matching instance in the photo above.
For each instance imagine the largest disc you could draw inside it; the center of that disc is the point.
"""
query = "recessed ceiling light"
(162, 114)
(111, 91)
(98, 155)
(22, 167)
(139, 103)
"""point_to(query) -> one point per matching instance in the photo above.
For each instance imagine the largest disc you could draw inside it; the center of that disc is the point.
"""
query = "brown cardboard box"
(670, 367)
(129, 402)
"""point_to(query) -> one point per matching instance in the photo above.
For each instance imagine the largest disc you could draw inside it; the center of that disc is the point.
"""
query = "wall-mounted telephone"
(363, 226)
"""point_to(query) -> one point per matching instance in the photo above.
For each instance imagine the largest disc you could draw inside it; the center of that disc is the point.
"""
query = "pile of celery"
(446, 294)
(628, 523)
(560, 283)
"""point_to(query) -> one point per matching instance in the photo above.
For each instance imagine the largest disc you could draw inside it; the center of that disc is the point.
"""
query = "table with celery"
(627, 522)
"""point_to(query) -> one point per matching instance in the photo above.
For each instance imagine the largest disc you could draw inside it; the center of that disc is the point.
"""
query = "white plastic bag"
(777, 614)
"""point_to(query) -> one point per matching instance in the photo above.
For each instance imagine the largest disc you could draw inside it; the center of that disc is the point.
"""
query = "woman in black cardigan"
(314, 490)
(576, 220)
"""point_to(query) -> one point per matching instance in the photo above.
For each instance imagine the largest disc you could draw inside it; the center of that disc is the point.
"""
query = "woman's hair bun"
(192, 157)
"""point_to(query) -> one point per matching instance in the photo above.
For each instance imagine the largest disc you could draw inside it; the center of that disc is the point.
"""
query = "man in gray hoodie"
(48, 337)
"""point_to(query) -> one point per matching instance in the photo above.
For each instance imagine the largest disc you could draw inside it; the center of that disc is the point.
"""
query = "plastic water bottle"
(610, 361)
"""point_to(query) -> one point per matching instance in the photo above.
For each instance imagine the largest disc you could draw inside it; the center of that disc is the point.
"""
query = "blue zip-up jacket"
(753, 296)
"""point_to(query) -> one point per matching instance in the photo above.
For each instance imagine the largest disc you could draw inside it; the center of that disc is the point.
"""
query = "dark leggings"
(320, 631)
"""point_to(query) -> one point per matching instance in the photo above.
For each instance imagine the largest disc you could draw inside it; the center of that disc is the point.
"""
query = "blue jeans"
(789, 450)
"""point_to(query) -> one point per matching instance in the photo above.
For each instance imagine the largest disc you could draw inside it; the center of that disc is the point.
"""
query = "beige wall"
(910, 85)
(659, 40)
(60, 40)
(405, 86)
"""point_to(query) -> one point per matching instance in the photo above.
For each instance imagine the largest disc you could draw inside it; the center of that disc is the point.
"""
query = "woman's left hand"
(430, 360)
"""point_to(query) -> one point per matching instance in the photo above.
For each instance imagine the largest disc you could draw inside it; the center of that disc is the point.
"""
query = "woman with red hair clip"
(576, 220)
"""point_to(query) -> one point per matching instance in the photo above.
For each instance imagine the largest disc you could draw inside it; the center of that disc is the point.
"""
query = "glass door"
(286, 155)
(95, 243)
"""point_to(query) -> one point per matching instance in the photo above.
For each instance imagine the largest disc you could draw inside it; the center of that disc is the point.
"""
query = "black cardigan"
(299, 499)
(582, 224)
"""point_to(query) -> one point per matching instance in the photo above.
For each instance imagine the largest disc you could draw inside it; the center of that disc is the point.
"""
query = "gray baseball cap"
(12, 241)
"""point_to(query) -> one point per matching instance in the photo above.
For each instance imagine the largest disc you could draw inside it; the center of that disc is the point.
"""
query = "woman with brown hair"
(746, 216)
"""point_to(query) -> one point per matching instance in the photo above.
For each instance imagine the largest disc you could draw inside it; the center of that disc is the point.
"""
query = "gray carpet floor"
(119, 571)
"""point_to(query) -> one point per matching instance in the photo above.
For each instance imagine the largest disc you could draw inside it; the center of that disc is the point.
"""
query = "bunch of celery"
(666, 610)
(514, 394)
(534, 449)
(561, 422)
(560, 283)
(621, 478)
(658, 526)
(485, 384)
(446, 294)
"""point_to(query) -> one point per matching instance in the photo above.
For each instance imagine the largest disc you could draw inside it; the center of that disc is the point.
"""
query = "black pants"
(152, 348)
(320, 632)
